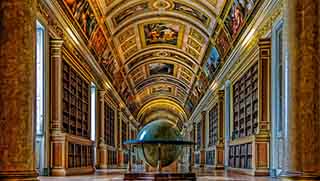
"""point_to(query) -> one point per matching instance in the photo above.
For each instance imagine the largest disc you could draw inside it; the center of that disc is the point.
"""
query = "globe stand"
(158, 175)
(160, 144)
(159, 167)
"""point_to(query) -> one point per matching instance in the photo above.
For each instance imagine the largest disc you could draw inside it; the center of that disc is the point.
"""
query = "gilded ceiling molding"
(163, 51)
(161, 103)
(164, 79)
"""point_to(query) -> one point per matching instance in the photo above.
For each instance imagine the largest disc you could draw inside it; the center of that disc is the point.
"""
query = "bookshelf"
(109, 124)
(240, 156)
(250, 137)
(210, 157)
(215, 148)
(71, 150)
(80, 155)
(213, 125)
(245, 104)
(112, 157)
(124, 131)
(75, 103)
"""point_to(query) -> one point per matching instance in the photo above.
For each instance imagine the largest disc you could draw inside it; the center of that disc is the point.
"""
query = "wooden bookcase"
(80, 155)
(71, 150)
(124, 131)
(240, 156)
(249, 145)
(75, 103)
(210, 155)
(109, 130)
(245, 104)
(112, 157)
(213, 125)
(215, 149)
(198, 136)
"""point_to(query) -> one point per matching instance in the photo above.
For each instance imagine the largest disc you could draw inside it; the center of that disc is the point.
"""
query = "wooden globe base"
(160, 176)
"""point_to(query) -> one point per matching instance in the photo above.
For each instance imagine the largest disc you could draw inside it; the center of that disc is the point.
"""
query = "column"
(219, 161)
(227, 115)
(56, 85)
(302, 119)
(101, 117)
(17, 89)
(119, 136)
(203, 139)
(102, 155)
(191, 149)
(58, 149)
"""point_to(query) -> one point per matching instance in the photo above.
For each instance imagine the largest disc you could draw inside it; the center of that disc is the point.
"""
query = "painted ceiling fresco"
(160, 49)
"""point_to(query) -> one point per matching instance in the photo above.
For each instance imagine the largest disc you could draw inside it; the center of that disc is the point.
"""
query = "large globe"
(159, 130)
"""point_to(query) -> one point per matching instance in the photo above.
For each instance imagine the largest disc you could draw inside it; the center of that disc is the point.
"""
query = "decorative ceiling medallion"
(162, 4)
(162, 54)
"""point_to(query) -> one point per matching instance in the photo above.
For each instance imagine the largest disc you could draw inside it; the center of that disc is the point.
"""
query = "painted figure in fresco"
(237, 20)
(212, 63)
(83, 14)
(161, 33)
(99, 42)
(108, 63)
(160, 68)
(223, 43)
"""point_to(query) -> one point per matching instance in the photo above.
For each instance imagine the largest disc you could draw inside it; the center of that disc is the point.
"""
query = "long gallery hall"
(159, 90)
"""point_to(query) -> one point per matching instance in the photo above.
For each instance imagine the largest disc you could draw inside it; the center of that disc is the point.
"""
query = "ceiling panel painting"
(98, 42)
(238, 15)
(167, 33)
(83, 14)
(223, 43)
(212, 63)
(161, 68)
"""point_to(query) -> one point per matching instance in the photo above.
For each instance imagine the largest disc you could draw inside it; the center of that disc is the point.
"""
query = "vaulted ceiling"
(159, 53)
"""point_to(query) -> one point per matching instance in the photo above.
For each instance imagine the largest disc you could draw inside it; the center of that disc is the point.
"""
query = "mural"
(98, 42)
(83, 14)
(161, 33)
(212, 63)
(238, 14)
(192, 12)
(160, 68)
(130, 12)
(197, 92)
(108, 63)
(189, 106)
(223, 44)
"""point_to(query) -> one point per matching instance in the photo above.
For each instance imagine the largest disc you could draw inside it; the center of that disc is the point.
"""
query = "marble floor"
(117, 175)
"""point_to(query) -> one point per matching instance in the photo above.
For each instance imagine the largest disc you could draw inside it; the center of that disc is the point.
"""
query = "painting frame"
(161, 33)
